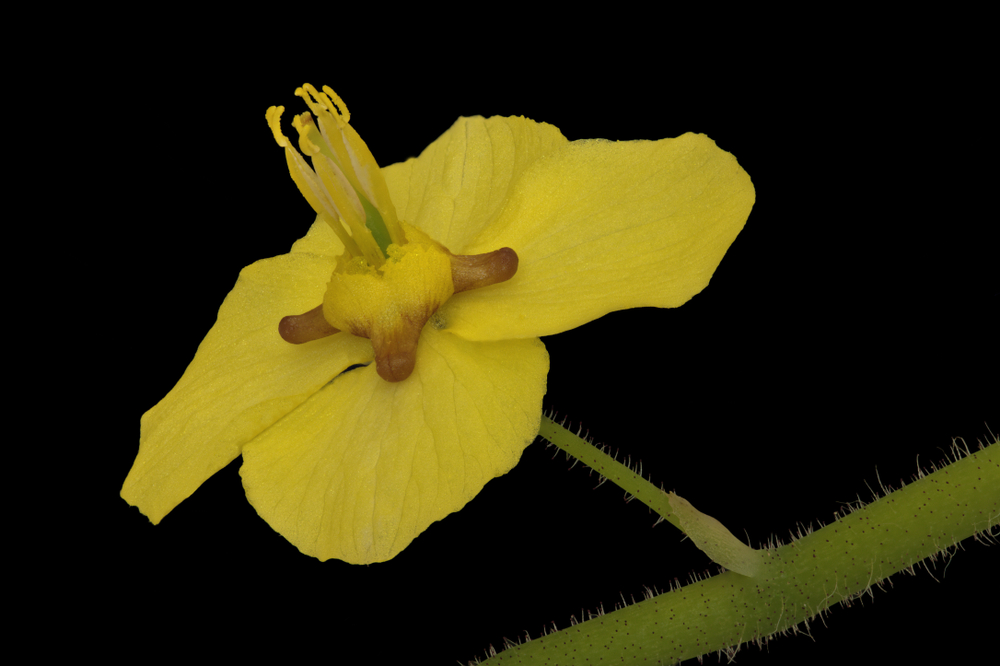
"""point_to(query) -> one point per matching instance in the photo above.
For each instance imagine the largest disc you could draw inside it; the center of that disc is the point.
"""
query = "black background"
(846, 330)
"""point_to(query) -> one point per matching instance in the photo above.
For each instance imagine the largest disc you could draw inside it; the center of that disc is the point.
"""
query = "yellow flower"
(444, 270)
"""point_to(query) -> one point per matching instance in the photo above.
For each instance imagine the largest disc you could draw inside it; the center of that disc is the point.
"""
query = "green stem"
(629, 480)
(794, 583)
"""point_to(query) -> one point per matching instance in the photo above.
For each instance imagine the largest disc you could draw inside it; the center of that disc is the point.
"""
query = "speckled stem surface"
(795, 583)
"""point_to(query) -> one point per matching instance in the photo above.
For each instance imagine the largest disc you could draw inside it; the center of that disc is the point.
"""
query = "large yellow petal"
(602, 226)
(364, 466)
(243, 378)
(461, 181)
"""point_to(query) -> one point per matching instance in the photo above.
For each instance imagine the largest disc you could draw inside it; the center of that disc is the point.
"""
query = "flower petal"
(243, 378)
(364, 466)
(461, 181)
(320, 240)
(603, 226)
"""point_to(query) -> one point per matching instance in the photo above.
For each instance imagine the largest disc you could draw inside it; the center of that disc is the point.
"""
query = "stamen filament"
(351, 154)
(308, 183)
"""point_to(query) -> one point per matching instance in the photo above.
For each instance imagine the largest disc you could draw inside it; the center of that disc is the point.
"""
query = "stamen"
(392, 277)
(472, 271)
(305, 327)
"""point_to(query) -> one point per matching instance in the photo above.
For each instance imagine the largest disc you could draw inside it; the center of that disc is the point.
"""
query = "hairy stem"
(795, 582)
(623, 476)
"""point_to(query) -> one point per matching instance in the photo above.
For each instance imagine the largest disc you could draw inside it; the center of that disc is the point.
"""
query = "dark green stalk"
(793, 584)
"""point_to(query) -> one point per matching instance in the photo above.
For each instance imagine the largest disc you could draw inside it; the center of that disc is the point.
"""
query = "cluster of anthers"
(391, 277)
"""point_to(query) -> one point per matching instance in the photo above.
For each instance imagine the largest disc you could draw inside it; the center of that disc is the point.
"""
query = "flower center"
(391, 277)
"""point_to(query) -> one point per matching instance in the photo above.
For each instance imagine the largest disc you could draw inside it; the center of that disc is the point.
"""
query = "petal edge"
(601, 226)
(365, 466)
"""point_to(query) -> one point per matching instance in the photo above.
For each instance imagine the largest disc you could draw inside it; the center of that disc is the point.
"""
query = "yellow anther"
(322, 105)
(303, 124)
(273, 115)
(344, 113)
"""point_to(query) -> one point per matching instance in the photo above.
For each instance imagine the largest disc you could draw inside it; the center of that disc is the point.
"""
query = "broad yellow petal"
(364, 466)
(602, 226)
(461, 181)
(243, 378)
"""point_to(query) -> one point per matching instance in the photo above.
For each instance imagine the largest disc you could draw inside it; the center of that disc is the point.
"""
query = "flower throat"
(391, 277)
